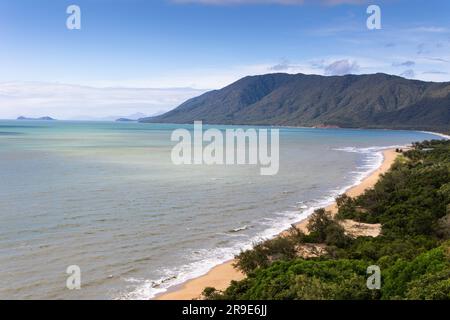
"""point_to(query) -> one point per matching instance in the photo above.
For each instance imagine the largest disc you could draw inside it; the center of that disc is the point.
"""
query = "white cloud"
(431, 29)
(64, 101)
(112, 98)
(284, 65)
(341, 67)
(410, 74)
(408, 63)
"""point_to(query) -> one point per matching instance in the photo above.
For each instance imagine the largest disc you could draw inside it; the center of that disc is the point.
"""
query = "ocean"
(106, 197)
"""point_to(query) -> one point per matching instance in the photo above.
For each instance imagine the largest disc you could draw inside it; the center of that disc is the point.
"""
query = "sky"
(147, 57)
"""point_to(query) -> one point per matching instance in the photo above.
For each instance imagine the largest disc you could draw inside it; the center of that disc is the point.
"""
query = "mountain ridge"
(46, 118)
(352, 101)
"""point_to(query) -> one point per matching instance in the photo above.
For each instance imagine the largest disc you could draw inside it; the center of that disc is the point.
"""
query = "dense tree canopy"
(411, 201)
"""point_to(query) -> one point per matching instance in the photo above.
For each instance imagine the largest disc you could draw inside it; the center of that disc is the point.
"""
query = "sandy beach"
(220, 276)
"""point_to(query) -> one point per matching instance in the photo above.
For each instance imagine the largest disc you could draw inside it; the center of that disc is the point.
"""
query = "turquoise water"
(106, 197)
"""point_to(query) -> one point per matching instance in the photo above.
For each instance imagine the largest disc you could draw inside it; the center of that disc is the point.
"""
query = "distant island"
(125, 120)
(41, 118)
(350, 101)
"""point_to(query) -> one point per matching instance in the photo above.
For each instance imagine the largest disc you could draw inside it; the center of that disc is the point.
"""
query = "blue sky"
(176, 49)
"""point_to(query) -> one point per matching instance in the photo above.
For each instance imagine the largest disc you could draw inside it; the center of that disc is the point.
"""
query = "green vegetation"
(364, 101)
(324, 229)
(412, 203)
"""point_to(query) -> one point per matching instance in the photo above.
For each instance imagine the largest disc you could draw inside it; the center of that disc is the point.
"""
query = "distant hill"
(125, 120)
(132, 117)
(369, 101)
(41, 118)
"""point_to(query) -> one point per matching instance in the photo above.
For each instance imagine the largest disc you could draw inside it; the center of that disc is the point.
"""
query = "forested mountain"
(369, 101)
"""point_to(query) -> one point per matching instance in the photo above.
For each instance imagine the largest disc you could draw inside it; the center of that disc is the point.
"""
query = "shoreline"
(442, 135)
(221, 275)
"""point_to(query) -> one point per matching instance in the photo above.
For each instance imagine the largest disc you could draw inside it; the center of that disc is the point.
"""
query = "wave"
(239, 229)
(443, 136)
(206, 259)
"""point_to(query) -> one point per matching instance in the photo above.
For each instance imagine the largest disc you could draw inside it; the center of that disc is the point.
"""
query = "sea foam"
(144, 289)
